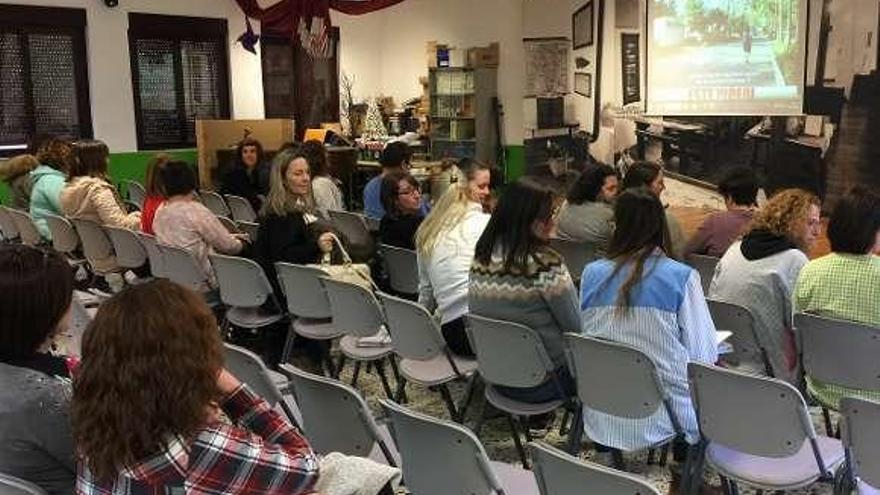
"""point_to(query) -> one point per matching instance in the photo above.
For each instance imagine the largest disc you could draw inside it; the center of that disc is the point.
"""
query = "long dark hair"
(390, 191)
(91, 159)
(511, 227)
(641, 174)
(640, 229)
(248, 142)
(589, 184)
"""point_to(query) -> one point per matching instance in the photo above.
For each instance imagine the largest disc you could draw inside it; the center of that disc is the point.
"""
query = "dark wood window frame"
(26, 20)
(178, 29)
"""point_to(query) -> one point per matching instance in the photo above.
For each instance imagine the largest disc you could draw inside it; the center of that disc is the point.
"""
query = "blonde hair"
(281, 200)
(448, 212)
(785, 214)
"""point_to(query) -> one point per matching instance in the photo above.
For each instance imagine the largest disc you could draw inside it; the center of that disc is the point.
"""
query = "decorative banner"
(629, 46)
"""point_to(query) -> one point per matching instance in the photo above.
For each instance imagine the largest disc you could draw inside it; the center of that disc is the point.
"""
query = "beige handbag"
(355, 273)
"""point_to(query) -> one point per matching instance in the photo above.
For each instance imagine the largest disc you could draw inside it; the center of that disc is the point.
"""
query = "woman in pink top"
(739, 189)
(155, 194)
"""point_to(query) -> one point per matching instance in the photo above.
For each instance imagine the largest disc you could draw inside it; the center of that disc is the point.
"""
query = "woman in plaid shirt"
(149, 403)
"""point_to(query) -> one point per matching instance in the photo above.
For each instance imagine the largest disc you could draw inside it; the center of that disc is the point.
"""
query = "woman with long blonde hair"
(445, 244)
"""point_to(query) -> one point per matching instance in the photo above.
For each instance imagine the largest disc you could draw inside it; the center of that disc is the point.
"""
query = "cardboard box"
(488, 56)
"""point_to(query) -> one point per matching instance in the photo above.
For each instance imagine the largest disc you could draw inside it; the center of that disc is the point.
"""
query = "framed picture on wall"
(583, 84)
(582, 26)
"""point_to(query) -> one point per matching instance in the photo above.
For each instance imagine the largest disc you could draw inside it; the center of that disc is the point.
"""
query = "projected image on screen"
(726, 57)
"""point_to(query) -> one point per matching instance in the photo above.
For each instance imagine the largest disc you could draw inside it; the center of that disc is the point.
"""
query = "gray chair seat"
(514, 479)
(348, 346)
(279, 379)
(789, 472)
(251, 317)
(436, 370)
(315, 329)
(866, 489)
(504, 403)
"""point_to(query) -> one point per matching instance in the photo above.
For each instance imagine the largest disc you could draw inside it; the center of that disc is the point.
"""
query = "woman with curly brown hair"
(147, 403)
(760, 272)
(56, 158)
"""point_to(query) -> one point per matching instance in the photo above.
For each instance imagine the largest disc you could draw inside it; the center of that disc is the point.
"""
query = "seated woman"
(650, 175)
(739, 189)
(56, 158)
(588, 215)
(15, 172)
(89, 195)
(325, 190)
(155, 191)
(249, 175)
(183, 222)
(35, 439)
(445, 243)
(638, 296)
(760, 271)
(516, 277)
(402, 200)
(846, 283)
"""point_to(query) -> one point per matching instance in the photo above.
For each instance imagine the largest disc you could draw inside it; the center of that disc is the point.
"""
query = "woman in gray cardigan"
(35, 439)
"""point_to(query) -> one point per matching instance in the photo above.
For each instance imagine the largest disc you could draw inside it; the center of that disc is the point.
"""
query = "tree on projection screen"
(726, 57)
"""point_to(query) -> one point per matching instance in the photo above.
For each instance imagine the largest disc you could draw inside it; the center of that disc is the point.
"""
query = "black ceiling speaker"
(111, 3)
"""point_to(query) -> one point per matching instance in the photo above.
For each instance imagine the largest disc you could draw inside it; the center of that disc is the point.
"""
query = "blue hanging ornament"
(249, 39)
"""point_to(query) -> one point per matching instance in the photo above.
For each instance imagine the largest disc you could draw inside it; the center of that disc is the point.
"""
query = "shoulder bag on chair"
(355, 273)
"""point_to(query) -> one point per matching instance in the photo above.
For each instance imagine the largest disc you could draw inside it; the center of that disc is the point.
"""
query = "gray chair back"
(242, 281)
(705, 266)
(508, 354)
(10, 485)
(136, 193)
(249, 228)
(157, 261)
(95, 243)
(402, 268)
(575, 254)
(415, 334)
(353, 226)
(751, 414)
(440, 457)
(240, 209)
(228, 224)
(355, 309)
(303, 291)
(130, 252)
(214, 202)
(746, 345)
(335, 416)
(250, 369)
(839, 352)
(27, 231)
(559, 473)
(861, 438)
(7, 225)
(64, 236)
(181, 267)
(639, 392)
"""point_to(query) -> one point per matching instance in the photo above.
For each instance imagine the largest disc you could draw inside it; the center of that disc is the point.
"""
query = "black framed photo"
(582, 26)
(583, 84)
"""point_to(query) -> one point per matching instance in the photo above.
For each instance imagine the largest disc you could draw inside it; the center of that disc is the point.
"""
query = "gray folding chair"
(748, 352)
(244, 289)
(7, 225)
(10, 485)
(214, 202)
(861, 441)
(337, 419)
(157, 261)
(249, 228)
(512, 355)
(95, 243)
(758, 431)
(440, 457)
(357, 314)
(240, 209)
(838, 352)
(64, 237)
(424, 357)
(402, 268)
(136, 193)
(181, 267)
(229, 224)
(559, 473)
(354, 227)
(705, 266)
(27, 231)
(130, 252)
(576, 255)
(268, 384)
(639, 392)
(307, 301)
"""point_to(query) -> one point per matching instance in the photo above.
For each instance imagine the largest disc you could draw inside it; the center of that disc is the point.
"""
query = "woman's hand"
(227, 382)
(325, 242)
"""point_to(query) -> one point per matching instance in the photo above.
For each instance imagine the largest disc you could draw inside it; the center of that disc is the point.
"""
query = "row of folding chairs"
(235, 207)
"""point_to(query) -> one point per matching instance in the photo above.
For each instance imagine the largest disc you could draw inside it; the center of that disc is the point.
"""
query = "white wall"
(854, 26)
(110, 87)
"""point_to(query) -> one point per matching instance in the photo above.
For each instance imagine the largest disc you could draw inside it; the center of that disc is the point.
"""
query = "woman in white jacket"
(445, 244)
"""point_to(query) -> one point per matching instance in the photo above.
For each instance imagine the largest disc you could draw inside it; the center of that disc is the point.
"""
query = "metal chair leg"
(380, 370)
(829, 427)
(664, 454)
(400, 395)
(356, 374)
(512, 421)
(468, 397)
(450, 404)
(576, 433)
(397, 378)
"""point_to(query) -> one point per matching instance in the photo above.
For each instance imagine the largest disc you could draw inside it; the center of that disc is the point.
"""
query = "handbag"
(354, 273)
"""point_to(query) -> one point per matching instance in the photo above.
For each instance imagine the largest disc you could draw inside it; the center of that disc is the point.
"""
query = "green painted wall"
(516, 161)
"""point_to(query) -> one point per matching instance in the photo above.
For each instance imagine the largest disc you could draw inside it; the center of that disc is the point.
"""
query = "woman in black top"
(402, 201)
(249, 176)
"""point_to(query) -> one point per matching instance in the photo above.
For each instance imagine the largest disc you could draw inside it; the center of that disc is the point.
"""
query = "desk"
(570, 127)
(688, 141)
(796, 162)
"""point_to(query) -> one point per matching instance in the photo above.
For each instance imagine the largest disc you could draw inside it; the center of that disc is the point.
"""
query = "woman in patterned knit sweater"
(516, 277)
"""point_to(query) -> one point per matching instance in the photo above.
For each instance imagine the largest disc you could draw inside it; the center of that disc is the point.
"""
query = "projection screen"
(726, 57)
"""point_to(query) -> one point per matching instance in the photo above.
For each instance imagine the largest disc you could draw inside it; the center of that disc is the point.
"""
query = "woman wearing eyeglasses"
(402, 200)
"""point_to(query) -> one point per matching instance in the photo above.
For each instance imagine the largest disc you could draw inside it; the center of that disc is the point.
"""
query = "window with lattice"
(44, 77)
(180, 73)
